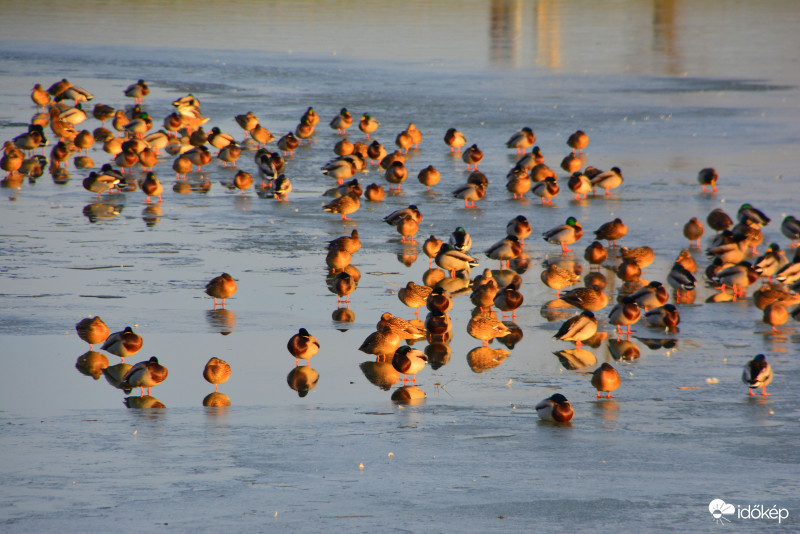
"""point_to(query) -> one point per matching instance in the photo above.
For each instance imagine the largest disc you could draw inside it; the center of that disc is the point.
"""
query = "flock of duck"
(734, 267)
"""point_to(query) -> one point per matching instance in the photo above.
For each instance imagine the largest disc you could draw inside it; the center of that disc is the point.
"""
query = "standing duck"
(368, 124)
(608, 180)
(470, 193)
(138, 91)
(578, 328)
(565, 234)
(486, 328)
(546, 189)
(454, 139)
(708, 178)
(152, 187)
(505, 250)
(453, 260)
(605, 378)
(145, 375)
(216, 372)
(578, 141)
(221, 287)
(520, 227)
(558, 278)
(123, 344)
(790, 227)
(408, 361)
(521, 140)
(579, 184)
(611, 231)
(757, 374)
(302, 346)
(342, 121)
(472, 156)
(414, 296)
(344, 205)
(693, 231)
(92, 330)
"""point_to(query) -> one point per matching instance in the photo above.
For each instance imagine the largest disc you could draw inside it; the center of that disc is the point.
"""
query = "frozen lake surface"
(663, 89)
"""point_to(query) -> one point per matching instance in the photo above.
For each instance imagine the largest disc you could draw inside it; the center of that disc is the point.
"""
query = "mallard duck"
(282, 187)
(408, 361)
(482, 295)
(380, 374)
(790, 227)
(753, 216)
(368, 124)
(396, 173)
(343, 147)
(624, 313)
(558, 278)
(230, 154)
(628, 271)
(145, 374)
(509, 299)
(414, 296)
(407, 228)
(774, 292)
(302, 346)
(438, 325)
(578, 141)
(768, 263)
(247, 121)
(310, 116)
(199, 156)
(505, 250)
(92, 330)
(518, 183)
(775, 315)
(374, 193)
(381, 343)
(605, 378)
(337, 259)
(718, 220)
(219, 139)
(242, 181)
(138, 91)
(731, 252)
(666, 316)
(578, 328)
(261, 135)
(470, 193)
(653, 295)
(39, 96)
(643, 256)
(344, 205)
(439, 300)
(586, 298)
(680, 279)
(343, 284)
(340, 169)
(579, 184)
(148, 159)
(216, 372)
(541, 172)
(123, 344)
(221, 287)
(99, 183)
(546, 189)
(757, 374)
(693, 231)
(738, 277)
(304, 130)
(376, 152)
(708, 177)
(528, 161)
(790, 273)
(429, 176)
(391, 158)
(351, 243)
(431, 248)
(608, 180)
(486, 328)
(138, 127)
(596, 253)
(152, 187)
(342, 121)
(521, 140)
(520, 227)
(454, 260)
(565, 234)
(555, 408)
(401, 327)
(611, 231)
(571, 163)
(288, 144)
(460, 240)
(472, 156)
(84, 141)
(454, 139)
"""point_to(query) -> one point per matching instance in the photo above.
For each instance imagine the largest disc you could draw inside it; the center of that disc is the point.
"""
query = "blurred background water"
(662, 88)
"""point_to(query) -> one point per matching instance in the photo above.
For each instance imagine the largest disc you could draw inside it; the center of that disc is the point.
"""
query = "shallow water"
(681, 88)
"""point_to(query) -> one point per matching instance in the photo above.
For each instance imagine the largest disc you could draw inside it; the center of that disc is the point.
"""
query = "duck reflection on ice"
(151, 215)
(99, 211)
(92, 363)
(438, 354)
(624, 349)
(216, 399)
(380, 373)
(302, 379)
(115, 374)
(221, 320)
(574, 359)
(481, 359)
(408, 395)
(146, 402)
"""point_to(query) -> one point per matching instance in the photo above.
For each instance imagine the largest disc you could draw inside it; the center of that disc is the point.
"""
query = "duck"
(281, 188)
(310, 116)
(454, 139)
(415, 133)
(578, 141)
(578, 328)
(612, 231)
(485, 328)
(454, 260)
(579, 184)
(145, 374)
(182, 165)
(344, 205)
(693, 231)
(518, 183)
(483, 295)
(472, 156)
(138, 127)
(304, 130)
(757, 374)
(737, 276)
(546, 189)
(541, 172)
(605, 378)
(429, 176)
(586, 298)
(390, 158)
(221, 287)
(288, 144)
(790, 227)
(608, 180)
(470, 193)
(774, 292)
(337, 259)
(708, 177)
(505, 250)
(407, 228)
(753, 216)
(199, 156)
(408, 361)
(340, 169)
(382, 343)
(342, 121)
(261, 135)
(374, 193)
(439, 300)
(558, 278)
(790, 273)
(396, 173)
(628, 271)
(643, 256)
(571, 163)
(509, 299)
(152, 187)
(148, 158)
(520, 227)
(230, 154)
(555, 408)
(242, 181)
(401, 327)
(247, 121)
(775, 314)
(100, 183)
(92, 330)
(530, 160)
(343, 284)
(123, 344)
(302, 346)
(376, 152)
(653, 295)
(768, 263)
(460, 240)
(624, 313)
(368, 124)
(350, 243)
(216, 372)
(431, 248)
(521, 140)
(40, 96)
(438, 325)
(138, 91)
(718, 220)
(681, 279)
(595, 253)
(666, 316)
(564, 234)
(414, 296)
